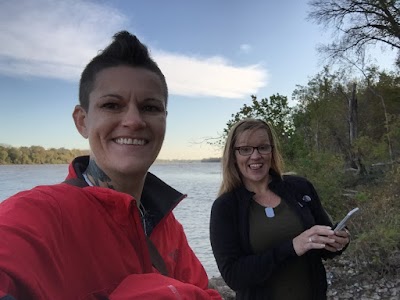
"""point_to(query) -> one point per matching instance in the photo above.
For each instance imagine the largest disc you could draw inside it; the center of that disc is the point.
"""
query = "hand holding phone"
(343, 222)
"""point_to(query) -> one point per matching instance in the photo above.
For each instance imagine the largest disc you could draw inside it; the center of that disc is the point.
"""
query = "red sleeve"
(30, 232)
(156, 286)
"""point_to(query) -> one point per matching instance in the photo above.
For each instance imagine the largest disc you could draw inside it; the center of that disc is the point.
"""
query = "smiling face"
(254, 169)
(126, 120)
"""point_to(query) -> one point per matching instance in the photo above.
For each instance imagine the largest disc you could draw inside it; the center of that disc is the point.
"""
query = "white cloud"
(55, 39)
(245, 48)
(213, 76)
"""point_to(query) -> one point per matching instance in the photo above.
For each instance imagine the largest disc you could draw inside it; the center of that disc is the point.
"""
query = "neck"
(267, 198)
(98, 177)
(258, 187)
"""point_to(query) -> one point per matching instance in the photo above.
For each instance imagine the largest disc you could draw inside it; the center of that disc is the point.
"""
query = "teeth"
(129, 141)
(255, 166)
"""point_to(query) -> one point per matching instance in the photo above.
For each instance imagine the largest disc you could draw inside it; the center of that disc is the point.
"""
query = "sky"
(214, 55)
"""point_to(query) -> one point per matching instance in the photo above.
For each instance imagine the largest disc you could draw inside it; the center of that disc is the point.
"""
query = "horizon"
(206, 159)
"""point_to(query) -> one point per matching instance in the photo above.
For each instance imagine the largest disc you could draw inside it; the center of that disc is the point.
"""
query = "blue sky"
(214, 54)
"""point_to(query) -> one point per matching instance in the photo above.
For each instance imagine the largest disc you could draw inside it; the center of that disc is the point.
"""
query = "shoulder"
(228, 199)
(298, 182)
(224, 205)
(230, 202)
(39, 195)
(293, 186)
(225, 197)
(302, 188)
(40, 200)
(295, 179)
(36, 210)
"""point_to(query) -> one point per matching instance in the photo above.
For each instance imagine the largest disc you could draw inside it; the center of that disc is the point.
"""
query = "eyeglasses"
(248, 150)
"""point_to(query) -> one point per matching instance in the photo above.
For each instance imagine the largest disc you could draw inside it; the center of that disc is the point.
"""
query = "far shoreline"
(38, 155)
(158, 161)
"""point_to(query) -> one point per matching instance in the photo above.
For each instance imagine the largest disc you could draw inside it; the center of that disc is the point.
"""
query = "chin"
(131, 168)
(259, 178)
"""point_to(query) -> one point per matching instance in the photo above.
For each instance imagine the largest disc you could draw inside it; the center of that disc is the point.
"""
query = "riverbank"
(345, 281)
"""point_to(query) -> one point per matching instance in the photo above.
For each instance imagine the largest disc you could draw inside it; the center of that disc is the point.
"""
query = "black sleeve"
(322, 218)
(239, 269)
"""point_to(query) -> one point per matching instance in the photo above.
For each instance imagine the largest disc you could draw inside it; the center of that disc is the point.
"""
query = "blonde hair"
(230, 173)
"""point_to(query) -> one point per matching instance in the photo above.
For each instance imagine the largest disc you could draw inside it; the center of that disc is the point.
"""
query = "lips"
(130, 141)
(255, 166)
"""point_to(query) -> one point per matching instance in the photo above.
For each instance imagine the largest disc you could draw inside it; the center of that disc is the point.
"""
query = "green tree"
(14, 154)
(25, 157)
(38, 154)
(275, 110)
(380, 111)
(321, 114)
(3, 155)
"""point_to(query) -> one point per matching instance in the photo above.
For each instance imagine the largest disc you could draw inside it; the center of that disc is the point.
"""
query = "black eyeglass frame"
(254, 148)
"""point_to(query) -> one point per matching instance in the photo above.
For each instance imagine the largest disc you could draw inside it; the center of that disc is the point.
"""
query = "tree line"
(37, 155)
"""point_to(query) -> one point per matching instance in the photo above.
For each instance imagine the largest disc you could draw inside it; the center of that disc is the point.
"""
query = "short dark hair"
(126, 49)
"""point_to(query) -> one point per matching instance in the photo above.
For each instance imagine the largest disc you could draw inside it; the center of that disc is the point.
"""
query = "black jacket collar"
(157, 197)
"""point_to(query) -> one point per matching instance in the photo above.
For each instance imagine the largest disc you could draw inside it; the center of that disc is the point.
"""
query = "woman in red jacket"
(108, 232)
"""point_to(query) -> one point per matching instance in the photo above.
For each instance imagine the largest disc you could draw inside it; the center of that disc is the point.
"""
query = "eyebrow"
(112, 95)
(119, 97)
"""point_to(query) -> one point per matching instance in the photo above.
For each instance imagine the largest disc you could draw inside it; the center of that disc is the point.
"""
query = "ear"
(79, 115)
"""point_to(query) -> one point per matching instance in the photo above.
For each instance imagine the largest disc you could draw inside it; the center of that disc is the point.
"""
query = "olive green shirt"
(291, 281)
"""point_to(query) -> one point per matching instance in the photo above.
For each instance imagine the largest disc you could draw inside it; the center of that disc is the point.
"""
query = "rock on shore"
(345, 281)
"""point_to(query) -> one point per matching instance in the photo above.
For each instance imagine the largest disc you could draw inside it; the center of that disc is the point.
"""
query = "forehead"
(126, 79)
(253, 137)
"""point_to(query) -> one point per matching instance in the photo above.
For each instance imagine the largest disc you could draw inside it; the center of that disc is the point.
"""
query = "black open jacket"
(246, 272)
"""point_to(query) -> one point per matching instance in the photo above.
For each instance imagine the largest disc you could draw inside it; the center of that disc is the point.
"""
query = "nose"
(255, 154)
(133, 118)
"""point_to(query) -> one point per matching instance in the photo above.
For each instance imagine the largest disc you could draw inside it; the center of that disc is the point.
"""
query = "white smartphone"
(342, 223)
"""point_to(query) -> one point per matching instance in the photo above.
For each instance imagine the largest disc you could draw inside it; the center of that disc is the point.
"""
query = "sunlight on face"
(126, 119)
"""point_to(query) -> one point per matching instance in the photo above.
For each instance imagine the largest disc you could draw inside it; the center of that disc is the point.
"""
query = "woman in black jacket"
(269, 231)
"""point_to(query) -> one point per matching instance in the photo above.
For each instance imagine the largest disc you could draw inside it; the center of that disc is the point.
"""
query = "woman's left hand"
(342, 238)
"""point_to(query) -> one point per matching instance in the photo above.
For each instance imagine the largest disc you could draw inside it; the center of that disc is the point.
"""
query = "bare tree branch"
(357, 24)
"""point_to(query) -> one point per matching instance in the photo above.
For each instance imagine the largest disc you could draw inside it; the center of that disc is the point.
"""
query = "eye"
(265, 149)
(153, 106)
(246, 148)
(110, 105)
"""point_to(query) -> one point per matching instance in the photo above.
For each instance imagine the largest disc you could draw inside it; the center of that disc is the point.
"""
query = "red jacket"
(66, 242)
